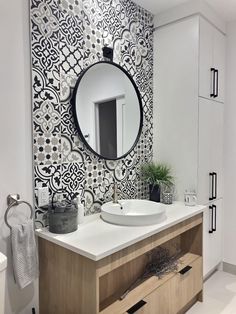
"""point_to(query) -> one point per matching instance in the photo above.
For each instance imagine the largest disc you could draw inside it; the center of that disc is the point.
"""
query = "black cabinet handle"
(213, 70)
(214, 211)
(185, 270)
(211, 219)
(215, 185)
(211, 175)
(136, 307)
(217, 83)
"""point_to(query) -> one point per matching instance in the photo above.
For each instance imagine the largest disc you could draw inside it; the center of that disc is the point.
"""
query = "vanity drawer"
(174, 294)
(188, 285)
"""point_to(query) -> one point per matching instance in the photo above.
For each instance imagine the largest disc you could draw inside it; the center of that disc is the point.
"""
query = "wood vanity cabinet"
(73, 284)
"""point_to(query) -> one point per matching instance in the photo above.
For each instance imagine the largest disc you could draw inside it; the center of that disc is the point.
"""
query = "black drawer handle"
(217, 83)
(136, 307)
(211, 175)
(213, 70)
(185, 270)
(211, 219)
(214, 211)
(215, 185)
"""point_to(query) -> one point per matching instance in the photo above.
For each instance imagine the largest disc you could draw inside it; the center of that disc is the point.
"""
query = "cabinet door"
(189, 284)
(206, 59)
(219, 63)
(212, 241)
(211, 62)
(216, 241)
(216, 156)
(210, 150)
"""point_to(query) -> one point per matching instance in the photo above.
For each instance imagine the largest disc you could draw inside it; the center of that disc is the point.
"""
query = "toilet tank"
(3, 266)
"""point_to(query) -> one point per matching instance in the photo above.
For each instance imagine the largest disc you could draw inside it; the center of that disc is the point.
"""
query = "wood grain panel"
(67, 283)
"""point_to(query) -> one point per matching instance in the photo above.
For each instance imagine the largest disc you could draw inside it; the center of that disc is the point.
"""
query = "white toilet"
(3, 266)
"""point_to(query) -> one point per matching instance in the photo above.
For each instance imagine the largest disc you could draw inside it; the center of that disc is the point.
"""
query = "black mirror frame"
(73, 102)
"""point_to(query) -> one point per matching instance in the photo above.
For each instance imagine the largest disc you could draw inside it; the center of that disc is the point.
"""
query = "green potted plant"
(157, 175)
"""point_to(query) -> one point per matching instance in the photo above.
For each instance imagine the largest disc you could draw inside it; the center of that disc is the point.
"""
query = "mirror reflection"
(108, 111)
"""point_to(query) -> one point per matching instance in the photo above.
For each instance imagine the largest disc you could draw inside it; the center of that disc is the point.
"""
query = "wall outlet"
(43, 196)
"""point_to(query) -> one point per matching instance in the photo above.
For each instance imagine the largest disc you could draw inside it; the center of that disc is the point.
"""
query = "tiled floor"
(219, 295)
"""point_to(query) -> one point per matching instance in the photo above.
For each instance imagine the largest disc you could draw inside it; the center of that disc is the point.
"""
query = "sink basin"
(133, 212)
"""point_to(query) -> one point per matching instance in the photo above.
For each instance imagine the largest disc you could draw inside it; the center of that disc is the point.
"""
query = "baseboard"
(208, 275)
(211, 272)
(229, 268)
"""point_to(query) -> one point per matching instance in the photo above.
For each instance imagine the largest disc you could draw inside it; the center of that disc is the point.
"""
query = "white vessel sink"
(133, 212)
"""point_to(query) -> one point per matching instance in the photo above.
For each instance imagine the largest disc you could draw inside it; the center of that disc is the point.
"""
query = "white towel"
(25, 254)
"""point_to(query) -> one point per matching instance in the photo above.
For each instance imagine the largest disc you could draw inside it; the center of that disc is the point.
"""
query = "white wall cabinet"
(188, 123)
(212, 236)
(211, 62)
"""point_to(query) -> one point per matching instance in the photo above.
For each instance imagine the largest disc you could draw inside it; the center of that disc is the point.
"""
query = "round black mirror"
(107, 109)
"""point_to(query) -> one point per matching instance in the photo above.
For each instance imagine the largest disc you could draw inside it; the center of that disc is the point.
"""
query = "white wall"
(15, 132)
(230, 149)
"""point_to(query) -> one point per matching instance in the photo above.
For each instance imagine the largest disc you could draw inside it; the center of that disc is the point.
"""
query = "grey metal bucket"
(63, 219)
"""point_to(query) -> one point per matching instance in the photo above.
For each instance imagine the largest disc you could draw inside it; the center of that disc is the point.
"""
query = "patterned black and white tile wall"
(67, 36)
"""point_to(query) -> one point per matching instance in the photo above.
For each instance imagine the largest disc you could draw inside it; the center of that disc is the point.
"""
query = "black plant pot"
(154, 193)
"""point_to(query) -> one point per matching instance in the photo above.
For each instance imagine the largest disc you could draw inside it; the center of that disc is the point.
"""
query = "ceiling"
(225, 8)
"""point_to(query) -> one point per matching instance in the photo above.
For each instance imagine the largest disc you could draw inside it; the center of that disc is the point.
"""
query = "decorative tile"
(70, 151)
(94, 172)
(73, 177)
(45, 34)
(93, 45)
(49, 176)
(41, 218)
(71, 30)
(45, 16)
(67, 82)
(130, 10)
(45, 55)
(47, 148)
(45, 85)
(142, 190)
(113, 20)
(67, 120)
(92, 13)
(92, 205)
(68, 36)
(71, 7)
(71, 59)
(128, 189)
(46, 117)
(46, 113)
(53, 79)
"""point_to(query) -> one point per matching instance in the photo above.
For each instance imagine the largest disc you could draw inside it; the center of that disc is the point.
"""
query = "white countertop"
(97, 239)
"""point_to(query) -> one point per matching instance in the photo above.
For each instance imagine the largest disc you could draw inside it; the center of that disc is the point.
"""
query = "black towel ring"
(14, 200)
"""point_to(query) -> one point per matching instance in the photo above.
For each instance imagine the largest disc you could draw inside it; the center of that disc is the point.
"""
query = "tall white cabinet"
(188, 117)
